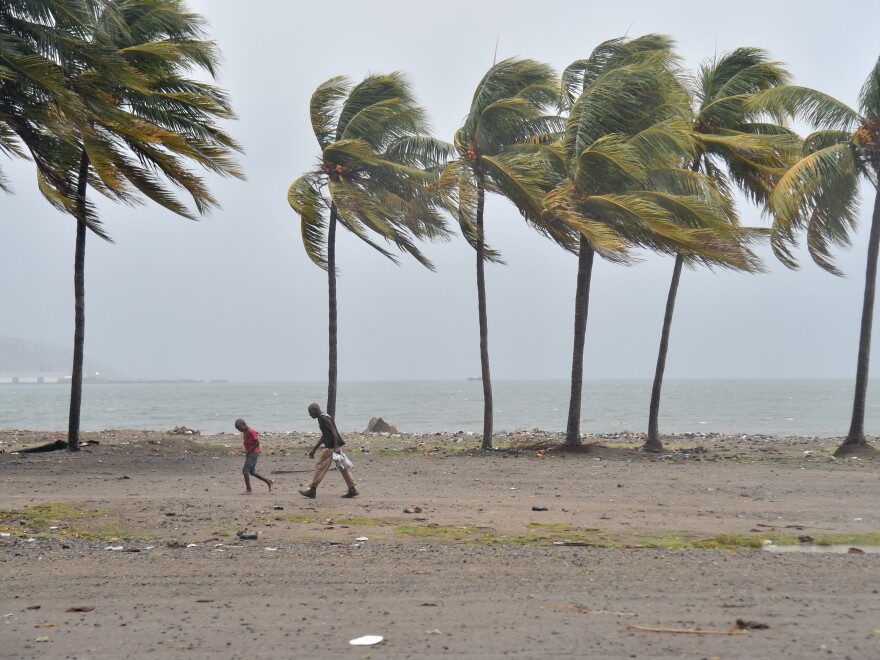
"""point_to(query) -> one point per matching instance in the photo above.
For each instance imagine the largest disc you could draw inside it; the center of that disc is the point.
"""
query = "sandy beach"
(131, 548)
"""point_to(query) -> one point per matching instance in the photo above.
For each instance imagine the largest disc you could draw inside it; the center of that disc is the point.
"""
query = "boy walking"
(252, 453)
(332, 442)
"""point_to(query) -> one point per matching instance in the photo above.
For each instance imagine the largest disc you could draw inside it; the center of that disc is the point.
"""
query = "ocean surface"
(776, 407)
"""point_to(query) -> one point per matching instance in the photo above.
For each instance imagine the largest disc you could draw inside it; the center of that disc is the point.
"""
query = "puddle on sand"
(822, 549)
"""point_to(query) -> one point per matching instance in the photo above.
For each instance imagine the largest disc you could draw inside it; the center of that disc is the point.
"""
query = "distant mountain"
(24, 356)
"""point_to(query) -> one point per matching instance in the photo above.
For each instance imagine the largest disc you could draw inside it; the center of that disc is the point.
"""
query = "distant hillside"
(23, 356)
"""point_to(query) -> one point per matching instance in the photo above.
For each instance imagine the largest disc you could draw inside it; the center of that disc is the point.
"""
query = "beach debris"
(580, 609)
(80, 608)
(247, 536)
(114, 547)
(855, 551)
(413, 509)
(379, 425)
(361, 539)
(33, 607)
(41, 639)
(750, 625)
(183, 430)
(366, 640)
(205, 600)
(691, 631)
(278, 507)
(805, 539)
(540, 508)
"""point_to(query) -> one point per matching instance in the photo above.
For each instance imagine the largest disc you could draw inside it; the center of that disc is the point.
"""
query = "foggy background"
(235, 297)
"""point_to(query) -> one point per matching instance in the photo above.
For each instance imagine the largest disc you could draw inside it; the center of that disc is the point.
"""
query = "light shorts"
(250, 463)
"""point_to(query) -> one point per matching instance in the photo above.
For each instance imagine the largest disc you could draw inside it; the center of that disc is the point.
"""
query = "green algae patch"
(539, 534)
(62, 520)
(866, 538)
(438, 533)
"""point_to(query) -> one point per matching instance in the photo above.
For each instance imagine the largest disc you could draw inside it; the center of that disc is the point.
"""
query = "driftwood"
(54, 446)
(690, 631)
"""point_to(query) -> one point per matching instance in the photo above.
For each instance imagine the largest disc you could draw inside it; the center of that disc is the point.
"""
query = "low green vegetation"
(63, 520)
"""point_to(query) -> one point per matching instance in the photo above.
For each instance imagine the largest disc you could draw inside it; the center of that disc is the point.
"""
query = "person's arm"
(335, 434)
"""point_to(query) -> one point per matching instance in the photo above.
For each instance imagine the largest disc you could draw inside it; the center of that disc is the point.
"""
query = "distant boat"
(475, 378)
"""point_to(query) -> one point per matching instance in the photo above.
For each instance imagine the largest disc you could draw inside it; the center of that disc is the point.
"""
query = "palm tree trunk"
(856, 435)
(488, 412)
(581, 308)
(79, 296)
(331, 295)
(653, 442)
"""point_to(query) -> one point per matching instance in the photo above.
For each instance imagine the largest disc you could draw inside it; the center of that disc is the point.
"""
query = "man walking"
(332, 442)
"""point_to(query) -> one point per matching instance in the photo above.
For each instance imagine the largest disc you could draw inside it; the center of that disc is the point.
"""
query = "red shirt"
(251, 442)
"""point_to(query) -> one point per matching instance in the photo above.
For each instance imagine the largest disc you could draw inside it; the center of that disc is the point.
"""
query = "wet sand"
(528, 553)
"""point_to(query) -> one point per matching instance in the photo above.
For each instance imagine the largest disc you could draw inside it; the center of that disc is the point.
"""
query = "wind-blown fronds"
(818, 194)
(378, 169)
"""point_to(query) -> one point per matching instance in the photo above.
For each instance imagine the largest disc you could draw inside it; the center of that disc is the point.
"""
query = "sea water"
(773, 407)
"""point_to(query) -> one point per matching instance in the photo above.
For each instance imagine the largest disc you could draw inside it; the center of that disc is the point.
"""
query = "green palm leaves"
(506, 121)
(819, 196)
(376, 177)
(376, 169)
(510, 110)
(99, 93)
(629, 176)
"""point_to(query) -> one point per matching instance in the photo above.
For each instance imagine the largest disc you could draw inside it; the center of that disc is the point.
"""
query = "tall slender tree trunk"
(653, 442)
(488, 412)
(331, 295)
(581, 309)
(79, 296)
(856, 435)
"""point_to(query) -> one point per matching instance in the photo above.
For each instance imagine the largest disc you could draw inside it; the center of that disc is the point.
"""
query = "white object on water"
(366, 640)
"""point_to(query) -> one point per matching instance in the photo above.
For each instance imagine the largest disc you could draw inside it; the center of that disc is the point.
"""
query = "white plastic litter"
(366, 640)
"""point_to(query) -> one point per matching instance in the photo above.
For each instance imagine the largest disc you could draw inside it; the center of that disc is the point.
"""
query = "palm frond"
(304, 197)
(820, 110)
(819, 194)
(869, 96)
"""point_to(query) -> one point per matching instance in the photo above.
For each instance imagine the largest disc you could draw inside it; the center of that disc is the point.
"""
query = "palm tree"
(739, 145)
(819, 196)
(621, 181)
(374, 175)
(508, 111)
(140, 119)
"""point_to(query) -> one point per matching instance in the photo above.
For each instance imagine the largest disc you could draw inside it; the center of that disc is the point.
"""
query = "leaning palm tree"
(819, 196)
(142, 119)
(508, 111)
(739, 145)
(374, 178)
(621, 184)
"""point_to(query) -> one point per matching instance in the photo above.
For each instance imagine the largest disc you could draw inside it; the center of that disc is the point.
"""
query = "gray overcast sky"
(234, 296)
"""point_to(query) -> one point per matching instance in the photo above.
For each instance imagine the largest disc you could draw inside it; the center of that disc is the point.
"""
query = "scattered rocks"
(183, 430)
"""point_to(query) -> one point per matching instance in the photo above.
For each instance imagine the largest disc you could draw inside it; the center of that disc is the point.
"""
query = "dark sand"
(475, 573)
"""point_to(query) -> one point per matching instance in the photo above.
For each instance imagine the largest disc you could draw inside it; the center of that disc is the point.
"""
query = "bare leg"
(268, 482)
(247, 484)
